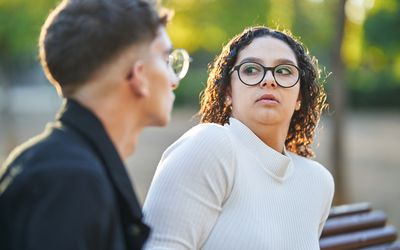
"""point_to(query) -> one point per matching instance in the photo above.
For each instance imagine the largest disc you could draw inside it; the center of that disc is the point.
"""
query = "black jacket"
(68, 189)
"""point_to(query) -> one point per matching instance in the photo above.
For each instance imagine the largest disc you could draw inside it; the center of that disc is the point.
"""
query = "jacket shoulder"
(48, 158)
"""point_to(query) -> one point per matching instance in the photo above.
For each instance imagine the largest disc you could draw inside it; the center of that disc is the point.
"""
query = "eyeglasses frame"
(266, 69)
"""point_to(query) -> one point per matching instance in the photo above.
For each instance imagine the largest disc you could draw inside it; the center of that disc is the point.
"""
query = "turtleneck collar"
(279, 166)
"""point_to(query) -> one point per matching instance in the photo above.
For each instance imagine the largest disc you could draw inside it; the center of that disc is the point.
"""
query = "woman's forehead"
(268, 50)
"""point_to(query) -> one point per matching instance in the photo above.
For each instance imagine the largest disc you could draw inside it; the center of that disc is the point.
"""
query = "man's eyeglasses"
(179, 61)
(252, 73)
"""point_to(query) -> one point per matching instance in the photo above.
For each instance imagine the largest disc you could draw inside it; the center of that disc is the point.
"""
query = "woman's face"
(266, 103)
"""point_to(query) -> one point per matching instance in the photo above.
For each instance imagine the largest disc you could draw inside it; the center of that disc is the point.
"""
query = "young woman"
(242, 178)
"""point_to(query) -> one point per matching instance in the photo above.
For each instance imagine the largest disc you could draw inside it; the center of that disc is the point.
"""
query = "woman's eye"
(283, 70)
(251, 70)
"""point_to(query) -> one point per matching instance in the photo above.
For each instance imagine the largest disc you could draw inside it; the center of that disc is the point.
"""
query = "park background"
(357, 43)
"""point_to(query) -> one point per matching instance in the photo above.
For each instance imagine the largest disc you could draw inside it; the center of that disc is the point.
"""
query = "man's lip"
(268, 97)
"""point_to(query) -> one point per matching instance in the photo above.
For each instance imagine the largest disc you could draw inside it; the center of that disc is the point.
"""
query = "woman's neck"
(272, 135)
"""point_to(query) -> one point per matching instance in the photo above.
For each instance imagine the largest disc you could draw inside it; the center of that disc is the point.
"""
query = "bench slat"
(359, 239)
(391, 246)
(355, 222)
(348, 209)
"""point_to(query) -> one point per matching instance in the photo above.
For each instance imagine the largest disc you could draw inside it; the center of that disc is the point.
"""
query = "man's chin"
(166, 120)
(163, 123)
(160, 121)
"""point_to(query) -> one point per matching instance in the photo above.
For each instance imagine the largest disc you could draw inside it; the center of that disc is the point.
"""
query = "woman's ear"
(228, 100)
(137, 80)
(298, 105)
(228, 96)
(298, 102)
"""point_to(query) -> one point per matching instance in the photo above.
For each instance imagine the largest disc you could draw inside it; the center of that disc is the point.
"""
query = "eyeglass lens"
(179, 61)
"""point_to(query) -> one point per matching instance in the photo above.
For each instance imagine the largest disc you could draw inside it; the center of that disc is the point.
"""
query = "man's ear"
(137, 80)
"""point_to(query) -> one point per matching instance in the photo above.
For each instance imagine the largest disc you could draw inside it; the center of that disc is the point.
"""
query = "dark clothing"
(68, 189)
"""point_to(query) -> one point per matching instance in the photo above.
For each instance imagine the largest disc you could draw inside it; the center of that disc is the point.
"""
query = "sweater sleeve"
(330, 190)
(192, 181)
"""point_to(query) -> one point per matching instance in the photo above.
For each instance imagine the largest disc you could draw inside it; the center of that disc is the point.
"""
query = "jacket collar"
(85, 123)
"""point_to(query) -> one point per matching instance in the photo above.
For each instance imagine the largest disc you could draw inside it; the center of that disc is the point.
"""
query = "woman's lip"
(268, 101)
(268, 98)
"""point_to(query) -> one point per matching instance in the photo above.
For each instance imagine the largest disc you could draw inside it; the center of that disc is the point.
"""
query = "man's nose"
(174, 85)
(175, 81)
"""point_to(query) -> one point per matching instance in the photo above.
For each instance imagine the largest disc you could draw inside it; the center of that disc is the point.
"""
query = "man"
(68, 187)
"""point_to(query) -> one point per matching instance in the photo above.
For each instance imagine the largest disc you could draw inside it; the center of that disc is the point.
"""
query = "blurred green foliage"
(20, 27)
(370, 49)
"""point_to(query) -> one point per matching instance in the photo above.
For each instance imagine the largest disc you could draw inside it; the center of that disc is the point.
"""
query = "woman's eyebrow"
(285, 61)
(259, 60)
(251, 59)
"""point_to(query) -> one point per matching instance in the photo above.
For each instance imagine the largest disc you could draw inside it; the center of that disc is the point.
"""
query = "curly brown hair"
(213, 105)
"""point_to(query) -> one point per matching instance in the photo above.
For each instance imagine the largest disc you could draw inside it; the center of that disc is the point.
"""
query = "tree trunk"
(339, 108)
(7, 121)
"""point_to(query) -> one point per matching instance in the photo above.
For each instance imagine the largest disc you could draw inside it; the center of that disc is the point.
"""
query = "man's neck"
(120, 121)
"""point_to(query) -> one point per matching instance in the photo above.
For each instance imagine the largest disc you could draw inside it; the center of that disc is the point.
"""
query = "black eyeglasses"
(252, 73)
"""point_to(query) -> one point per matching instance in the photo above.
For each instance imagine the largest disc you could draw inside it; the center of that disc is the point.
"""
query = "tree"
(339, 106)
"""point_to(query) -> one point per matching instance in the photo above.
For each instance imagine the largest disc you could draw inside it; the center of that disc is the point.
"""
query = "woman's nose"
(269, 80)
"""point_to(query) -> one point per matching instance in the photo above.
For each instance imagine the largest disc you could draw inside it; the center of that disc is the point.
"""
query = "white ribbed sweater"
(220, 187)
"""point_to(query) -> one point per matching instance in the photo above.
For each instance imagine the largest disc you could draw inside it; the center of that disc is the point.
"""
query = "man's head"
(116, 59)
(81, 36)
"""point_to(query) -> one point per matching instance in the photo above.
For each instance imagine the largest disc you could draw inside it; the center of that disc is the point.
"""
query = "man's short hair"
(80, 36)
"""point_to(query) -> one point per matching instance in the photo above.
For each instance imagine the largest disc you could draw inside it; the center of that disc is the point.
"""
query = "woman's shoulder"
(204, 150)
(314, 173)
(205, 137)
(311, 166)
(213, 132)
(208, 129)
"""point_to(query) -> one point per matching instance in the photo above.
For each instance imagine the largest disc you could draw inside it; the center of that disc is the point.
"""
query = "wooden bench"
(357, 226)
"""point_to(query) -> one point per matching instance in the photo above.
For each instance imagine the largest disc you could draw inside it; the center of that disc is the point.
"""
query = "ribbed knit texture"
(220, 187)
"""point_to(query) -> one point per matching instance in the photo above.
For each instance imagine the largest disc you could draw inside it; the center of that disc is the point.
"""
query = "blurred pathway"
(372, 144)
